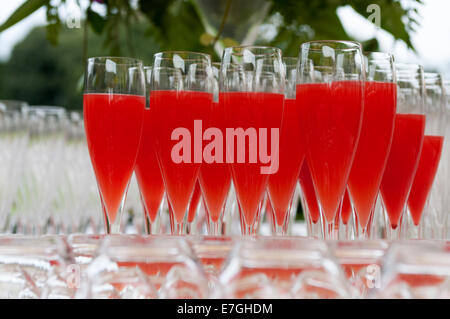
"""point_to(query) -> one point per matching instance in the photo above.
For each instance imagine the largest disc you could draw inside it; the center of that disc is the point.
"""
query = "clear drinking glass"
(426, 215)
(212, 252)
(415, 270)
(331, 98)
(114, 104)
(406, 145)
(147, 170)
(375, 139)
(361, 262)
(214, 177)
(167, 262)
(27, 264)
(252, 81)
(13, 142)
(282, 185)
(282, 268)
(37, 202)
(181, 112)
(445, 185)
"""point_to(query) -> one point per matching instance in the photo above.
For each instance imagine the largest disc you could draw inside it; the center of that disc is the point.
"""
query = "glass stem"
(215, 227)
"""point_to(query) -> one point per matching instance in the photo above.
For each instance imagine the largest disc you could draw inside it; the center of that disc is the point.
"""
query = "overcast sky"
(432, 40)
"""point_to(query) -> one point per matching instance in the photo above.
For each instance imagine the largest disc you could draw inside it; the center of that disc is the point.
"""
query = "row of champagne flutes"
(49, 164)
(47, 183)
(351, 127)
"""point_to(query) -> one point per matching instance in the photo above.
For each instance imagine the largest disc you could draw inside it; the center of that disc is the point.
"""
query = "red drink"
(309, 193)
(215, 178)
(426, 171)
(249, 110)
(346, 210)
(195, 200)
(402, 164)
(178, 109)
(373, 147)
(148, 173)
(282, 184)
(331, 118)
(113, 124)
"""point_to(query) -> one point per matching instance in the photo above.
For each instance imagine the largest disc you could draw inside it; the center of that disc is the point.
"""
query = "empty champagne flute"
(13, 142)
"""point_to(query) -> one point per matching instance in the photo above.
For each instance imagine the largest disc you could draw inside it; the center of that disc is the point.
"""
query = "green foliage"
(181, 24)
(96, 21)
(27, 8)
(47, 74)
(318, 19)
(41, 73)
(392, 14)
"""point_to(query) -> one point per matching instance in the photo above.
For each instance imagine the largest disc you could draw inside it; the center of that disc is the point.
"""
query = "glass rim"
(47, 107)
(378, 56)
(180, 52)
(198, 60)
(116, 59)
(166, 68)
(435, 75)
(377, 53)
(433, 79)
(47, 110)
(234, 50)
(351, 45)
(408, 66)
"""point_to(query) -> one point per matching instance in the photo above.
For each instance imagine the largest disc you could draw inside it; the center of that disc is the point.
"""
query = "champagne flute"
(420, 214)
(214, 177)
(181, 110)
(282, 185)
(114, 103)
(375, 139)
(406, 145)
(148, 173)
(331, 98)
(252, 84)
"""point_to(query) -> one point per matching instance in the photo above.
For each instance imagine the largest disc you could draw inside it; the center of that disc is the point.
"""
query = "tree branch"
(222, 23)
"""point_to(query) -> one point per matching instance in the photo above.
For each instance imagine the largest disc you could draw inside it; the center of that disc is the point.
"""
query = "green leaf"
(155, 10)
(96, 21)
(392, 15)
(54, 24)
(27, 8)
(53, 32)
(304, 21)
